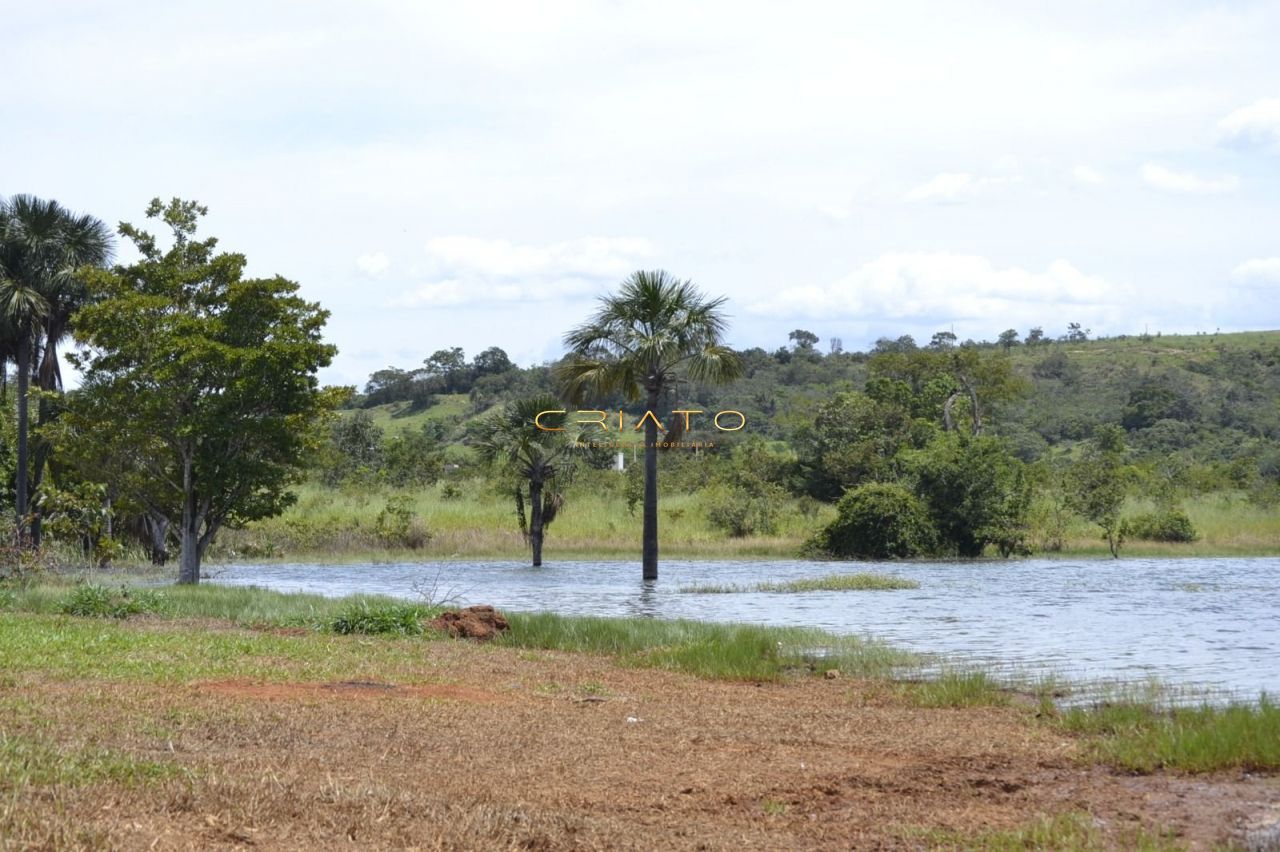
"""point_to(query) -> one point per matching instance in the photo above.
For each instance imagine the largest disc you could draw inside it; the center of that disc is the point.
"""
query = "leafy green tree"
(957, 377)
(355, 449)
(978, 494)
(1008, 339)
(449, 368)
(541, 460)
(412, 457)
(879, 520)
(943, 340)
(1036, 336)
(1098, 483)
(219, 369)
(857, 438)
(746, 497)
(43, 246)
(642, 340)
(802, 340)
(491, 362)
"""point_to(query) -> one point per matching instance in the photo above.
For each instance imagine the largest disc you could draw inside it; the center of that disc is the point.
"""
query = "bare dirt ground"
(503, 749)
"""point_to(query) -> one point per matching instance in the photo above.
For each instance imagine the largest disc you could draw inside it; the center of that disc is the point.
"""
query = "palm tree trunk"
(535, 521)
(20, 477)
(40, 457)
(650, 536)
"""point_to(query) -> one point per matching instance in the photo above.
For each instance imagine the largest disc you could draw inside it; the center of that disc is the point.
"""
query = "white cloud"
(467, 270)
(955, 186)
(835, 211)
(1256, 124)
(1260, 270)
(373, 264)
(1186, 183)
(941, 285)
(1086, 175)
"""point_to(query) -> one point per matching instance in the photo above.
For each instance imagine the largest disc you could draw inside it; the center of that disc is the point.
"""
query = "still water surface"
(1204, 623)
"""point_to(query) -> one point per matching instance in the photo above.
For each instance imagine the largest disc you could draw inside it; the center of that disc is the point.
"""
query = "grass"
(722, 651)
(957, 689)
(331, 525)
(341, 525)
(26, 760)
(373, 617)
(38, 640)
(1142, 738)
(43, 638)
(834, 583)
(1069, 832)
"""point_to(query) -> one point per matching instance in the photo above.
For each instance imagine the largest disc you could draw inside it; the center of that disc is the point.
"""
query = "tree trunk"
(39, 460)
(650, 540)
(189, 555)
(20, 476)
(535, 521)
(157, 529)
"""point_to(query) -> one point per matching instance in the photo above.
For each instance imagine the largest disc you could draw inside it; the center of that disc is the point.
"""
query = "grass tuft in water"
(864, 582)
(727, 651)
(957, 689)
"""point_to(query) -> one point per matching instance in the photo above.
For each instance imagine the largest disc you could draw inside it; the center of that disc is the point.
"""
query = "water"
(1211, 624)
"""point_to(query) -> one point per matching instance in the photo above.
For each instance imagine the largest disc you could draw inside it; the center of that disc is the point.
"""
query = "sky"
(477, 174)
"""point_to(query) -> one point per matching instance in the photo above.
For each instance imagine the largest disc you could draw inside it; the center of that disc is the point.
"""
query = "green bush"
(362, 616)
(94, 601)
(879, 520)
(397, 526)
(1169, 525)
(739, 512)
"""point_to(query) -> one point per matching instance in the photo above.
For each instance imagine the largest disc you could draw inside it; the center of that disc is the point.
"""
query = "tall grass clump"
(957, 689)
(1142, 738)
(95, 601)
(367, 616)
(726, 651)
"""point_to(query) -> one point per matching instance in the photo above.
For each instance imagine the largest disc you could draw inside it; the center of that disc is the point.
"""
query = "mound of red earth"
(474, 622)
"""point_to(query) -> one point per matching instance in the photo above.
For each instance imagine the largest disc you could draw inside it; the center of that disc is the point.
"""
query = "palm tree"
(540, 458)
(641, 341)
(42, 247)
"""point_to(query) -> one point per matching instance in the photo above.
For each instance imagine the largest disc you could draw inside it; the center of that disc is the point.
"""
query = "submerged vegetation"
(861, 582)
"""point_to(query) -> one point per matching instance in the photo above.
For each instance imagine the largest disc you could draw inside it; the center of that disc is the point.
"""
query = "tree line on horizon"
(200, 409)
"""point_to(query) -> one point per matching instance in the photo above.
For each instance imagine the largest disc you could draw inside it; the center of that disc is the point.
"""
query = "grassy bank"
(85, 631)
(468, 520)
(225, 716)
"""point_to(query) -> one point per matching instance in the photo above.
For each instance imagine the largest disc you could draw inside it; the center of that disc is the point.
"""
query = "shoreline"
(620, 733)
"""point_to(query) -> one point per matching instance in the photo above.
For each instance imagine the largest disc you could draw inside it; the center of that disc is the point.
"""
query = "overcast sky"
(475, 174)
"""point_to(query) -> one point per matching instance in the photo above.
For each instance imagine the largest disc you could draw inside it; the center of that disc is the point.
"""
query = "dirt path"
(502, 749)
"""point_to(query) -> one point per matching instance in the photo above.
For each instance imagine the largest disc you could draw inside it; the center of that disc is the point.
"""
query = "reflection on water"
(1209, 622)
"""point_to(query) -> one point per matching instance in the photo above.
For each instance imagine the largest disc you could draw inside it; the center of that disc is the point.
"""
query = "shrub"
(879, 520)
(100, 602)
(741, 512)
(364, 616)
(1169, 525)
(396, 525)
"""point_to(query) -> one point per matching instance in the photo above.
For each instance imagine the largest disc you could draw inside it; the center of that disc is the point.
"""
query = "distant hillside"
(1207, 399)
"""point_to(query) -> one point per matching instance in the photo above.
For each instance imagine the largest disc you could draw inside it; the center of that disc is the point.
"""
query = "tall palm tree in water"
(655, 330)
